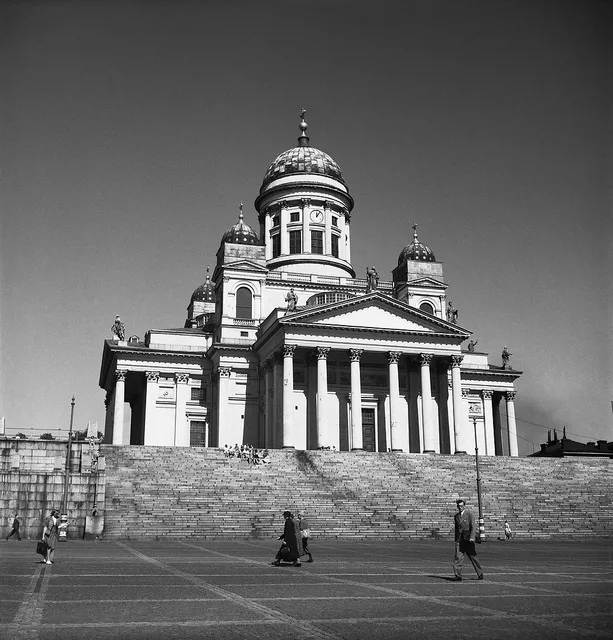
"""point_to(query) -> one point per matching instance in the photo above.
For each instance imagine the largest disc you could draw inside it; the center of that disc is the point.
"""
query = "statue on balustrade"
(372, 279)
(452, 314)
(471, 345)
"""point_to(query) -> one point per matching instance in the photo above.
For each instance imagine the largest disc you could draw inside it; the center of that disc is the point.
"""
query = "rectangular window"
(317, 242)
(335, 246)
(275, 221)
(295, 241)
(334, 221)
(197, 433)
(294, 216)
(198, 394)
(276, 245)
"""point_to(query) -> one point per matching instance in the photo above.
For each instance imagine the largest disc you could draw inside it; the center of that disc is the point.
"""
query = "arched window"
(427, 307)
(244, 303)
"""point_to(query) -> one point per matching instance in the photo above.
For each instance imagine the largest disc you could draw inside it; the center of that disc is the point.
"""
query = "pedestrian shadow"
(445, 578)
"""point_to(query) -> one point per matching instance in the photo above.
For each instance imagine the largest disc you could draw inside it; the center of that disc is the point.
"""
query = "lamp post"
(64, 517)
(481, 523)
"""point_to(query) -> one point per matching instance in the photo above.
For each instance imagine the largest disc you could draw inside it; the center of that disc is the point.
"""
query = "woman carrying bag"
(50, 534)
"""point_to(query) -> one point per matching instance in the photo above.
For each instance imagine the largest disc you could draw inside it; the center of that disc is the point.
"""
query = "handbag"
(306, 533)
(41, 548)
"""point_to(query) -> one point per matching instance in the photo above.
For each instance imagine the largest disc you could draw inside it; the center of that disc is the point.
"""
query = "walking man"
(465, 532)
(306, 534)
(15, 529)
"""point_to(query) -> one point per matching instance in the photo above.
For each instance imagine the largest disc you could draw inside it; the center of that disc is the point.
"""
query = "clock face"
(317, 216)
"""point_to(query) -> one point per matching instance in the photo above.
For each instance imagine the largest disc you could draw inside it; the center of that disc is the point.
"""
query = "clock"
(317, 216)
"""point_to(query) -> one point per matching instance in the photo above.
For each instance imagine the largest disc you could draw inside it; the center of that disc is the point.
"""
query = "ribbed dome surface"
(416, 251)
(302, 159)
(204, 293)
(241, 233)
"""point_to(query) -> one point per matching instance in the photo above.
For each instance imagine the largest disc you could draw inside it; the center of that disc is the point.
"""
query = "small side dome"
(416, 251)
(241, 232)
(205, 292)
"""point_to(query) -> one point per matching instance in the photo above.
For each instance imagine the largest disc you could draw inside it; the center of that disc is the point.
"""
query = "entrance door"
(197, 433)
(368, 429)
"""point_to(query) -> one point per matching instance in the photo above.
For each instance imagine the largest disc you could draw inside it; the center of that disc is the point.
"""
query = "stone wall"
(32, 475)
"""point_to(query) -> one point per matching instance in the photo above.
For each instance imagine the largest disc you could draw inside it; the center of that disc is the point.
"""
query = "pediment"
(245, 265)
(427, 283)
(375, 312)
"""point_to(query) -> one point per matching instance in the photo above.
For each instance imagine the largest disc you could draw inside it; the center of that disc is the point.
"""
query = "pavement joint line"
(270, 614)
(27, 623)
(439, 600)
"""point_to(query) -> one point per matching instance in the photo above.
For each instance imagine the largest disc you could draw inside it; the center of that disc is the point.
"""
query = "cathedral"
(284, 347)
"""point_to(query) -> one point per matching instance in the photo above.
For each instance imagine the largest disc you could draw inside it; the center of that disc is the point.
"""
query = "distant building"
(284, 347)
(563, 447)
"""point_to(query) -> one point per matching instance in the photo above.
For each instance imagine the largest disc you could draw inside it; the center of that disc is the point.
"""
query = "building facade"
(284, 347)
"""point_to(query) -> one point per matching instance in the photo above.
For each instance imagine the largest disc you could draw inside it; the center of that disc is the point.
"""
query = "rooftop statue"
(506, 357)
(118, 329)
(472, 344)
(452, 314)
(292, 300)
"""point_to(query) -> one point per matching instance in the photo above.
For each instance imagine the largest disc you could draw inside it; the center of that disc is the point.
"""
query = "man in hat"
(15, 528)
(291, 549)
(465, 535)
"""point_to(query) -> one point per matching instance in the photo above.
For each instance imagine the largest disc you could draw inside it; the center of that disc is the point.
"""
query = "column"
(267, 227)
(345, 242)
(267, 373)
(322, 395)
(182, 435)
(395, 436)
(357, 438)
(283, 228)
(288, 396)
(277, 398)
(426, 398)
(305, 204)
(328, 231)
(459, 422)
(512, 426)
(450, 418)
(223, 392)
(151, 394)
(488, 416)
(118, 412)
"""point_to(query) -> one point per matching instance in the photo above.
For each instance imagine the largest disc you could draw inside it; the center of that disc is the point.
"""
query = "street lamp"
(481, 535)
(64, 517)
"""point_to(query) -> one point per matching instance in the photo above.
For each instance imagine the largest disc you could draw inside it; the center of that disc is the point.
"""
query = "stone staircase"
(165, 492)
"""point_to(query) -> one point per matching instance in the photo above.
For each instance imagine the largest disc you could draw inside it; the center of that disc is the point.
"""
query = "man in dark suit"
(465, 533)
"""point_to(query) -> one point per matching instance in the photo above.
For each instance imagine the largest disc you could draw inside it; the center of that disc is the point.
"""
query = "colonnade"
(462, 434)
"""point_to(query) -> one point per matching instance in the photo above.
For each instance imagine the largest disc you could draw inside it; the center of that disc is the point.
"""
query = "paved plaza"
(375, 591)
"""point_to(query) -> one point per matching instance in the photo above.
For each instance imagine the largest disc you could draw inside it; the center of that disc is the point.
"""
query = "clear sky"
(131, 131)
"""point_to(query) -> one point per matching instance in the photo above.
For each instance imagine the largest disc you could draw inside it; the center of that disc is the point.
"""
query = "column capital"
(510, 395)
(355, 354)
(327, 204)
(152, 376)
(465, 393)
(288, 350)
(456, 361)
(182, 378)
(224, 372)
(120, 375)
(487, 394)
(322, 352)
(283, 204)
(393, 356)
(425, 359)
(305, 202)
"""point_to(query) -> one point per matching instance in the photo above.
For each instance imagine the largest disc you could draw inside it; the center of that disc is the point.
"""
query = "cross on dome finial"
(208, 268)
(303, 140)
(415, 231)
(240, 209)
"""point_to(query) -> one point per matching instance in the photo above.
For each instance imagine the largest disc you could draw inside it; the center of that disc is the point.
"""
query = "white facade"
(353, 364)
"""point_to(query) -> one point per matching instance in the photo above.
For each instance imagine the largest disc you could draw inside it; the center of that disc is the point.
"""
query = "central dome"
(302, 159)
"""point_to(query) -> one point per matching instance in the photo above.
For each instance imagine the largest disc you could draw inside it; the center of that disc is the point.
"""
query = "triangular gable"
(374, 311)
(244, 265)
(427, 282)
